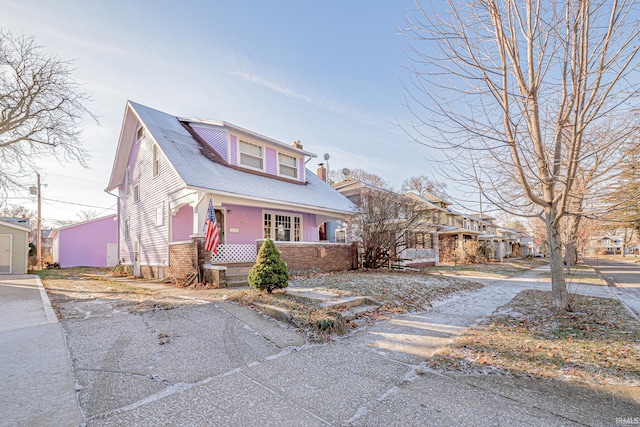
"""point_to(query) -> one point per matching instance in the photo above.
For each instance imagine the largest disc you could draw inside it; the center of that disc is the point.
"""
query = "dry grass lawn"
(597, 342)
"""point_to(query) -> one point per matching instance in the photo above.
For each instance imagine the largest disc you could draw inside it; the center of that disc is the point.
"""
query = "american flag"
(212, 239)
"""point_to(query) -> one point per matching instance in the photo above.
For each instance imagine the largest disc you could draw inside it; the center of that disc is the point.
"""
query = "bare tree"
(623, 203)
(424, 185)
(360, 175)
(41, 107)
(18, 211)
(386, 223)
(516, 86)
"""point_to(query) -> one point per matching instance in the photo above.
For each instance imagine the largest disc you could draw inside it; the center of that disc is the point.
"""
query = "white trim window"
(251, 155)
(156, 161)
(287, 165)
(136, 193)
(127, 233)
(127, 181)
(140, 134)
(282, 227)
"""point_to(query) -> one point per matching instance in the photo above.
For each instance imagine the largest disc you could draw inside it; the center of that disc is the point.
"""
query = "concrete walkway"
(37, 387)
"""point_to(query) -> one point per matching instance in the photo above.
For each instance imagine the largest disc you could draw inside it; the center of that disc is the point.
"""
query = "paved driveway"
(214, 363)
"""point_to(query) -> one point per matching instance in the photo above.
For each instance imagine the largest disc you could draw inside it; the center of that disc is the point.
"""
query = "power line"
(78, 204)
(72, 177)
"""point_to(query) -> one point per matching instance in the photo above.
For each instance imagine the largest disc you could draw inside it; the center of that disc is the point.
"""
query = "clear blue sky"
(327, 73)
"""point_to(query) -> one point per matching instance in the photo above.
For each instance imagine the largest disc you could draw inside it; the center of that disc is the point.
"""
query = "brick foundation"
(304, 258)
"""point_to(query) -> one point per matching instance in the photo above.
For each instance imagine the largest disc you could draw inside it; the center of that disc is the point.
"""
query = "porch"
(233, 261)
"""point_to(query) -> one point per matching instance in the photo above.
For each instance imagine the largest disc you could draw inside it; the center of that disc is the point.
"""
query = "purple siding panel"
(248, 222)
(271, 160)
(234, 150)
(86, 244)
(216, 138)
(301, 169)
(309, 228)
(182, 224)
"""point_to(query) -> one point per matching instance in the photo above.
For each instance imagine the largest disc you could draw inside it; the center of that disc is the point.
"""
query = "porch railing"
(235, 253)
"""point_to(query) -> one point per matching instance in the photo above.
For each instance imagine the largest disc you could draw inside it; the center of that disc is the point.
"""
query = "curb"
(46, 302)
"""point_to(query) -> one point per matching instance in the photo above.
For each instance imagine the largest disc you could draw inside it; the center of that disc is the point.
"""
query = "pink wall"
(234, 150)
(301, 169)
(182, 224)
(270, 158)
(216, 138)
(249, 223)
(85, 244)
(247, 220)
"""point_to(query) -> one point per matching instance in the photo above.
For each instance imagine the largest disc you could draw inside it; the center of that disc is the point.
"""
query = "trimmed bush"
(270, 271)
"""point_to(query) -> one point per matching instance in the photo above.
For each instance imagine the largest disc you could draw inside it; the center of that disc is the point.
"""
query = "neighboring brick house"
(166, 171)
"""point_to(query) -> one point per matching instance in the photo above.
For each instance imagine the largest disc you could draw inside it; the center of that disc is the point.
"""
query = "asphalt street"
(625, 275)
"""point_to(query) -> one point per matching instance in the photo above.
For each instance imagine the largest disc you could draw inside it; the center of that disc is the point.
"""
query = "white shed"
(14, 248)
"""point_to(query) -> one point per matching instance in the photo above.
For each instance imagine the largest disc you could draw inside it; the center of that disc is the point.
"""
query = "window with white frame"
(126, 229)
(287, 165)
(127, 181)
(156, 161)
(136, 193)
(160, 214)
(282, 227)
(251, 155)
(140, 134)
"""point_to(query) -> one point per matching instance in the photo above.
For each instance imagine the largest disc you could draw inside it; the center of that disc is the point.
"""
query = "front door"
(5, 253)
(220, 221)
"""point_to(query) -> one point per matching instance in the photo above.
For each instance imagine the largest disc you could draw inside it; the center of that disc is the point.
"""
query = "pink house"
(91, 243)
(168, 168)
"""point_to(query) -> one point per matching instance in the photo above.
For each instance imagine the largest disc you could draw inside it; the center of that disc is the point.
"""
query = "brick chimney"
(297, 144)
(322, 172)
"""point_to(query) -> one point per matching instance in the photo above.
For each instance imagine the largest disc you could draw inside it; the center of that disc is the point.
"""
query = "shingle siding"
(216, 138)
(272, 163)
(233, 148)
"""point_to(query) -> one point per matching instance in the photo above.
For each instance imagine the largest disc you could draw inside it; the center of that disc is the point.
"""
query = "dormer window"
(288, 165)
(140, 134)
(251, 155)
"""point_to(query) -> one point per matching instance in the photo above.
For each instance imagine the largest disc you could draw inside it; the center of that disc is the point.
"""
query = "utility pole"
(39, 226)
(37, 191)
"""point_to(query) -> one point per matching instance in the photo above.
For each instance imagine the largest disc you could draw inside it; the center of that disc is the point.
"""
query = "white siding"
(19, 249)
(142, 215)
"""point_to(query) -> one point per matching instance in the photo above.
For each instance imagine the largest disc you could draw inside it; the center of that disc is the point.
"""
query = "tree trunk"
(558, 284)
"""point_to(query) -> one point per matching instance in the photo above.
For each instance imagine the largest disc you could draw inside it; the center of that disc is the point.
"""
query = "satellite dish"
(326, 156)
(346, 172)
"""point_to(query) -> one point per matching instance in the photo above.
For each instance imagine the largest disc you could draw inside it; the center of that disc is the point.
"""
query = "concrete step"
(232, 277)
(346, 302)
(357, 311)
(237, 283)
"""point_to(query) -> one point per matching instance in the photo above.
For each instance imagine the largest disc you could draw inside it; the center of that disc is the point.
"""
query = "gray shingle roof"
(196, 170)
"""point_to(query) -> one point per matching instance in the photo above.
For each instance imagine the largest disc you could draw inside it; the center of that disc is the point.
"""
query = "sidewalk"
(37, 387)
